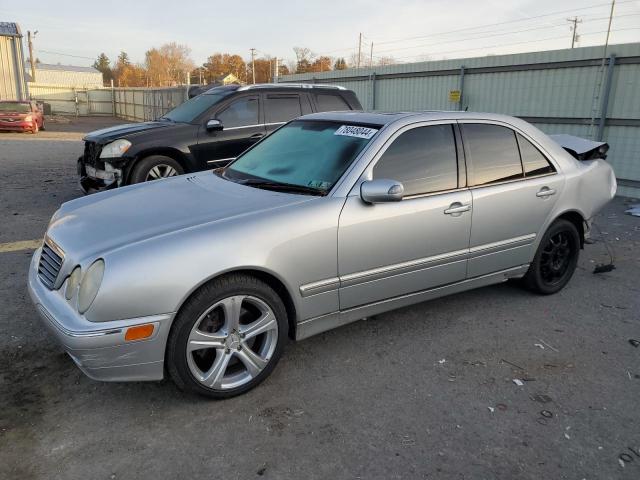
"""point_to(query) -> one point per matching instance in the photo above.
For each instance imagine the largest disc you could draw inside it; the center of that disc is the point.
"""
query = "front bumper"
(99, 348)
(97, 180)
(17, 126)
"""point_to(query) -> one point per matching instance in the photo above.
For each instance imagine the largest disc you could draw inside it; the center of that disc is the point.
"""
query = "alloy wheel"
(232, 342)
(161, 171)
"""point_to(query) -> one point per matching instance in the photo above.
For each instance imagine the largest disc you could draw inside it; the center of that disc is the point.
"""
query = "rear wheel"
(556, 259)
(155, 167)
(227, 338)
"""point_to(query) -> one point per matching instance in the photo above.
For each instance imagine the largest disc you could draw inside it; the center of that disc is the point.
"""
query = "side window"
(330, 103)
(306, 104)
(493, 153)
(241, 113)
(282, 108)
(534, 162)
(423, 159)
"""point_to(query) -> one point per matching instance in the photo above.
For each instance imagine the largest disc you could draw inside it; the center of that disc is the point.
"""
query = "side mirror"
(381, 191)
(214, 125)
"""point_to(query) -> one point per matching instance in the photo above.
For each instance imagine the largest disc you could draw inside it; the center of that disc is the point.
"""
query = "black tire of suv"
(199, 302)
(144, 166)
(533, 279)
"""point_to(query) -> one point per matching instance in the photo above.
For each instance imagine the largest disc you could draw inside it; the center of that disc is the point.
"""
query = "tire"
(157, 166)
(204, 320)
(555, 260)
(35, 128)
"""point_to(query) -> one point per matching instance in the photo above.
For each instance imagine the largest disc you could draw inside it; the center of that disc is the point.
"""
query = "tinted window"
(532, 159)
(492, 152)
(423, 159)
(189, 110)
(282, 108)
(330, 103)
(240, 113)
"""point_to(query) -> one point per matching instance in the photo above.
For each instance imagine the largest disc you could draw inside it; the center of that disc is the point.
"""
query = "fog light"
(138, 332)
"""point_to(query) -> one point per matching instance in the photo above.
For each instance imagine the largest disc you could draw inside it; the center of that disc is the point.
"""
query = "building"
(68, 75)
(13, 84)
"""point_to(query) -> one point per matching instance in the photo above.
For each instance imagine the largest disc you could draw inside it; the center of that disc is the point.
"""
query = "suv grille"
(92, 154)
(49, 266)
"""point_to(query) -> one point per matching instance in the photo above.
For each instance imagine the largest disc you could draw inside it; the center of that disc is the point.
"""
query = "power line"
(64, 54)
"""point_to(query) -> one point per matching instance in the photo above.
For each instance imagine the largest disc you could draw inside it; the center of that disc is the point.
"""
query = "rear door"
(391, 249)
(243, 125)
(511, 202)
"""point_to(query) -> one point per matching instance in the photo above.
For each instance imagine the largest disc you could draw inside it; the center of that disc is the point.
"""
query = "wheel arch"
(578, 221)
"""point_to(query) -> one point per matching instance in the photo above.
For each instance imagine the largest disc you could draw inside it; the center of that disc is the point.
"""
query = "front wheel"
(555, 260)
(227, 338)
(155, 167)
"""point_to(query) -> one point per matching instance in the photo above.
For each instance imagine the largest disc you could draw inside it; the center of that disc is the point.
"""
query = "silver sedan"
(332, 218)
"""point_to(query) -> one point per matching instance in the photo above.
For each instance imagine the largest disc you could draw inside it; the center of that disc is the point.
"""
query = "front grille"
(92, 154)
(49, 266)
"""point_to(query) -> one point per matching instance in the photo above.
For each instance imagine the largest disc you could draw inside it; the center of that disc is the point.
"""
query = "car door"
(510, 204)
(242, 127)
(391, 249)
(279, 108)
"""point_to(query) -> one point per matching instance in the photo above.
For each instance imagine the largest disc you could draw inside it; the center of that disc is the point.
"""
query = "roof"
(65, 68)
(9, 29)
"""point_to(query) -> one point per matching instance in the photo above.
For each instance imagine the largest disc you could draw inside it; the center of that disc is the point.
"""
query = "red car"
(21, 116)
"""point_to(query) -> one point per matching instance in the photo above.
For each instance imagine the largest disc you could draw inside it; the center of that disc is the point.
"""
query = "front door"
(391, 249)
(242, 127)
(514, 188)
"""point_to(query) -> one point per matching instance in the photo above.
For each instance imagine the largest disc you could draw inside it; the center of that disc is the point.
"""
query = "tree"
(123, 58)
(220, 64)
(321, 64)
(264, 69)
(340, 64)
(304, 57)
(169, 64)
(103, 65)
(382, 61)
(127, 75)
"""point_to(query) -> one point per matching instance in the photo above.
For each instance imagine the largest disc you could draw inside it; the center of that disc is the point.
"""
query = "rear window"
(533, 161)
(330, 103)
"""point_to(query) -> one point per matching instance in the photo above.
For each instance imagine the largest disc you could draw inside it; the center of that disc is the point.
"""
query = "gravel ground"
(422, 392)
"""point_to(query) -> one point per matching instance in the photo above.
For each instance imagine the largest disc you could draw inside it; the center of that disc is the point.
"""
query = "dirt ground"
(422, 392)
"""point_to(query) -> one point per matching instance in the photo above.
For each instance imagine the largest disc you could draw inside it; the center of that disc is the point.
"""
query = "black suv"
(207, 131)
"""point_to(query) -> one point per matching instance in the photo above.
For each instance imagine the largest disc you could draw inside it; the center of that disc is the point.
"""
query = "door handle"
(256, 136)
(545, 192)
(457, 207)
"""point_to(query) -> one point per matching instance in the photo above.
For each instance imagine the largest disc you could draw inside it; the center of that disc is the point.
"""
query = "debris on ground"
(600, 268)
(491, 409)
(634, 342)
(541, 398)
(633, 210)
(546, 414)
(539, 345)
(518, 382)
(441, 361)
(547, 345)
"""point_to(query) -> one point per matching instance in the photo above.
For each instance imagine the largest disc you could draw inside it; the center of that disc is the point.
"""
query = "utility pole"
(359, 50)
(253, 65)
(32, 60)
(275, 72)
(371, 57)
(574, 37)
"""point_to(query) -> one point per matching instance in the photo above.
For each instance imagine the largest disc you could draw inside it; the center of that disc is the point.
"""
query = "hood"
(581, 148)
(109, 220)
(123, 131)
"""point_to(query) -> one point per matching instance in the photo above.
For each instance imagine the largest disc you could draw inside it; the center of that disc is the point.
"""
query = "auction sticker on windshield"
(354, 131)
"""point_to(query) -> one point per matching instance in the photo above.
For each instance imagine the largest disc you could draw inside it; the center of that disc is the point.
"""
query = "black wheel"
(155, 167)
(556, 259)
(227, 338)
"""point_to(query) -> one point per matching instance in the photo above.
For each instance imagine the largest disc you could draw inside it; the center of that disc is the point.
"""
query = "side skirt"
(314, 326)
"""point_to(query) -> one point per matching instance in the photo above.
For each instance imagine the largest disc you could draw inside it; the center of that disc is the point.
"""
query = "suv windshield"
(302, 155)
(15, 107)
(191, 109)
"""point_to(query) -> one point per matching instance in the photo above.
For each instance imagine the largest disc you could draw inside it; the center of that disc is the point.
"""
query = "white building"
(67, 75)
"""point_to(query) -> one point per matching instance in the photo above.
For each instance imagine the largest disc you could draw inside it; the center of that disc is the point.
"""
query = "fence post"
(461, 87)
(113, 99)
(605, 98)
(373, 91)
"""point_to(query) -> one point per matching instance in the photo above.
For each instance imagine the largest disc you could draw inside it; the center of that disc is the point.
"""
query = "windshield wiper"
(282, 187)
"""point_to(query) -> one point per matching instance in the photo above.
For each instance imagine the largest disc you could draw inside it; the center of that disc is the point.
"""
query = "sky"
(74, 32)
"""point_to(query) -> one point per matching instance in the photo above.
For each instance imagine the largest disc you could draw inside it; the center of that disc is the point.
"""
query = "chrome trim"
(511, 242)
(289, 85)
(523, 179)
(54, 246)
(321, 286)
(253, 126)
(221, 160)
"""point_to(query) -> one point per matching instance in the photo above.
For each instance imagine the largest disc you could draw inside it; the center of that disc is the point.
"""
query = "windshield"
(15, 107)
(307, 154)
(191, 109)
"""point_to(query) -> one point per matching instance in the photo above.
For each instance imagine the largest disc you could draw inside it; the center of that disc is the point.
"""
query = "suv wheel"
(555, 260)
(227, 338)
(154, 168)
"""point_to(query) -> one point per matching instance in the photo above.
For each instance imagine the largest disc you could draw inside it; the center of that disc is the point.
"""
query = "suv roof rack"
(290, 85)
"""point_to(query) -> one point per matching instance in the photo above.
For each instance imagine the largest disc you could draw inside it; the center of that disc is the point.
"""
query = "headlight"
(115, 149)
(28, 118)
(90, 285)
(72, 283)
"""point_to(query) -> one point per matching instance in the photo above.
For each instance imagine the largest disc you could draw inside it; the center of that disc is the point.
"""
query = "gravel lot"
(422, 392)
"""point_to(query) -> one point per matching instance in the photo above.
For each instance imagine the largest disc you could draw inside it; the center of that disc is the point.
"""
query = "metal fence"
(561, 91)
(141, 104)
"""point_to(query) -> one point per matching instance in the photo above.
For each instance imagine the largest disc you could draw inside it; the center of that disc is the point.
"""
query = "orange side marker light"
(139, 332)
